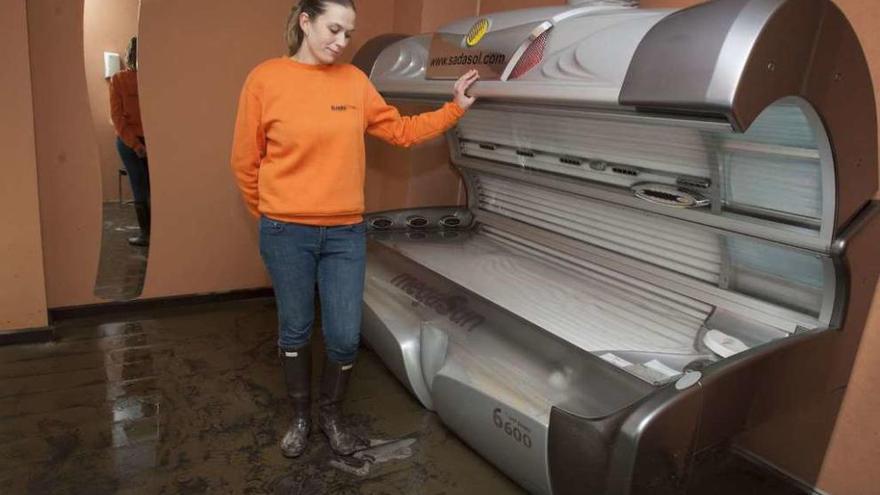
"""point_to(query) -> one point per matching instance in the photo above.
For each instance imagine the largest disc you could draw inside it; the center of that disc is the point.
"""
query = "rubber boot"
(333, 385)
(142, 210)
(297, 365)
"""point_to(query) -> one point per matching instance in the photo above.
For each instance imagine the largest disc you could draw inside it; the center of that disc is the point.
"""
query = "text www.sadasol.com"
(470, 59)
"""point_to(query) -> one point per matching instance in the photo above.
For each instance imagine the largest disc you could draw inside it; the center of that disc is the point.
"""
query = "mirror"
(110, 45)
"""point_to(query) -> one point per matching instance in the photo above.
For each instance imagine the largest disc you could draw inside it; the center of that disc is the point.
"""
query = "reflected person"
(298, 156)
(126, 114)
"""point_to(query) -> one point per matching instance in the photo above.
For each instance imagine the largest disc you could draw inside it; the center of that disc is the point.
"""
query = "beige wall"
(108, 25)
(194, 57)
(204, 241)
(850, 466)
(489, 6)
(67, 154)
(407, 17)
(425, 16)
(22, 285)
(192, 68)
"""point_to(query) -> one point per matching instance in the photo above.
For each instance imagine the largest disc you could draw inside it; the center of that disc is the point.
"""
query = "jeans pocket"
(271, 227)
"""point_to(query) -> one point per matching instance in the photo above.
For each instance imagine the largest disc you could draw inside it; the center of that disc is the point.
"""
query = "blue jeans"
(299, 256)
(138, 171)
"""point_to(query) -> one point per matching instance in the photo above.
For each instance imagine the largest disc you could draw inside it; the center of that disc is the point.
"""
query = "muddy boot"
(142, 210)
(333, 384)
(297, 364)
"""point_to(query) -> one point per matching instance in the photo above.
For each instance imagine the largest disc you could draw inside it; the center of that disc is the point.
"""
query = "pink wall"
(204, 241)
(22, 283)
(194, 57)
(192, 69)
(850, 466)
(489, 6)
(67, 153)
(108, 25)
(407, 17)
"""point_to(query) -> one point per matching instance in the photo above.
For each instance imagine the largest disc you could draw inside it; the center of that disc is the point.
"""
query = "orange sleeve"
(117, 115)
(385, 122)
(248, 148)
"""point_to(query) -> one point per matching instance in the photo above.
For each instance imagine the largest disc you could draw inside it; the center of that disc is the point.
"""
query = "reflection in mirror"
(110, 44)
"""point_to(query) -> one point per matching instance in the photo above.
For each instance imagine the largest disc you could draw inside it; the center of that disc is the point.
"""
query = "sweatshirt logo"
(342, 108)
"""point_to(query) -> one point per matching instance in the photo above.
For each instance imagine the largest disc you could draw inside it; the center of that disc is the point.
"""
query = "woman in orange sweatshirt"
(298, 156)
(125, 111)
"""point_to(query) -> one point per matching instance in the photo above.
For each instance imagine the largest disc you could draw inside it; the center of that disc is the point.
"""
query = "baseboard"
(109, 308)
(789, 478)
(27, 336)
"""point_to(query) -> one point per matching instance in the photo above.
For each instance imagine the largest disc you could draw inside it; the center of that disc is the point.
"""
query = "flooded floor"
(191, 400)
(122, 267)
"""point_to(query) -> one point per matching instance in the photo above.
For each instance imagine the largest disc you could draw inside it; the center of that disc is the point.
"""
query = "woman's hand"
(460, 96)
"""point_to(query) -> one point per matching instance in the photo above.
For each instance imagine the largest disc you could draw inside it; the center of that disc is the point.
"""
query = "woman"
(298, 156)
(125, 112)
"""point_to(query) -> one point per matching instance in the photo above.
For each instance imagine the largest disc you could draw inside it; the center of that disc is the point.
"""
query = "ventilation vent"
(694, 182)
(531, 57)
(417, 222)
(450, 222)
(625, 171)
(381, 223)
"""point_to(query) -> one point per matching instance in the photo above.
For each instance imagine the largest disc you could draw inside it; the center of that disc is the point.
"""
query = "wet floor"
(122, 267)
(191, 400)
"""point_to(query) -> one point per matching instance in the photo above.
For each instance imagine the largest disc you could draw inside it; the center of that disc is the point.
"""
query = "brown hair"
(294, 35)
(131, 53)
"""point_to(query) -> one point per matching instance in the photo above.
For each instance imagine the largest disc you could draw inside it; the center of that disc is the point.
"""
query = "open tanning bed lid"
(723, 61)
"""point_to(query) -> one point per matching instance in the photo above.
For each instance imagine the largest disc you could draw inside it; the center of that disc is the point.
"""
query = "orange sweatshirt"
(298, 150)
(125, 108)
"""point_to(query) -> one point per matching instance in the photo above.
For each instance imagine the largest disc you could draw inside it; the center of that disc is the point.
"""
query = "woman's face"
(328, 34)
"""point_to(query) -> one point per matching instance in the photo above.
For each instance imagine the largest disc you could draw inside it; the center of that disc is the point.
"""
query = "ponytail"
(294, 34)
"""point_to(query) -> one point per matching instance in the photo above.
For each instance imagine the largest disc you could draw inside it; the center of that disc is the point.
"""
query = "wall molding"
(139, 305)
(27, 336)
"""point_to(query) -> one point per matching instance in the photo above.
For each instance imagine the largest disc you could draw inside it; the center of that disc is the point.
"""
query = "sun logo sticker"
(477, 32)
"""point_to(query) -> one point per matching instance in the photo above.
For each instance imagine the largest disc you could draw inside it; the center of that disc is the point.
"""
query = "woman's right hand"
(464, 83)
